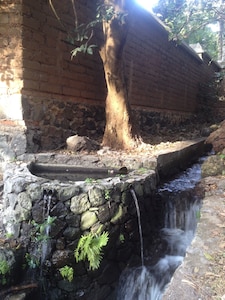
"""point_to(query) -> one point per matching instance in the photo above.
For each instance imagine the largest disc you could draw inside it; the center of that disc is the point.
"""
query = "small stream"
(182, 210)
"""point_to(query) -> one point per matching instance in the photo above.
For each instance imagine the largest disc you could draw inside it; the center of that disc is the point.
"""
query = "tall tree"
(189, 18)
(114, 16)
(120, 131)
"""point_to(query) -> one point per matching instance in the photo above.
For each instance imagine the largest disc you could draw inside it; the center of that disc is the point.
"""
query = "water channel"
(182, 210)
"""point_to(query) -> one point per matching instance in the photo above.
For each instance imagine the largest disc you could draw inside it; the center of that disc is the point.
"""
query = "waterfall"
(139, 224)
(182, 207)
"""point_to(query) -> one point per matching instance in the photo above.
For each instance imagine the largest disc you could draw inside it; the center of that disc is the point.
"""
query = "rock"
(80, 203)
(60, 258)
(71, 233)
(106, 212)
(97, 195)
(217, 138)
(81, 143)
(88, 219)
(23, 207)
(213, 166)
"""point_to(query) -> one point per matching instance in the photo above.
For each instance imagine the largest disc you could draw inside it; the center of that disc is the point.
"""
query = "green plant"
(90, 180)
(90, 247)
(121, 238)
(4, 270)
(107, 194)
(32, 260)
(67, 273)
(41, 230)
(8, 235)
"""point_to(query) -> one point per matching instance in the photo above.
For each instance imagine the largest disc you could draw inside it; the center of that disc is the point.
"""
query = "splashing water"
(138, 284)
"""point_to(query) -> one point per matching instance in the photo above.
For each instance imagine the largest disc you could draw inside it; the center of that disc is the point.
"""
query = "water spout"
(46, 245)
(139, 223)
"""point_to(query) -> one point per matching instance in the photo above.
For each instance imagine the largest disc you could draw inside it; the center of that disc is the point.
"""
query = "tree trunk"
(120, 132)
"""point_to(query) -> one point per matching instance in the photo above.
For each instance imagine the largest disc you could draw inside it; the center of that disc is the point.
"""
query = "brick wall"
(11, 68)
(165, 76)
(57, 97)
(48, 68)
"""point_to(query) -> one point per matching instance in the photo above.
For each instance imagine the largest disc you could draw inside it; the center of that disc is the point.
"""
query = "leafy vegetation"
(189, 20)
(90, 247)
(122, 238)
(41, 232)
(107, 195)
(4, 271)
(90, 180)
(67, 273)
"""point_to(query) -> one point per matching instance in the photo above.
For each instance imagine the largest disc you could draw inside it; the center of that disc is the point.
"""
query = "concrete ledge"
(172, 162)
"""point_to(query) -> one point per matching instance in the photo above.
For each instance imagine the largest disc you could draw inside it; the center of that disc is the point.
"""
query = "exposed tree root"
(18, 288)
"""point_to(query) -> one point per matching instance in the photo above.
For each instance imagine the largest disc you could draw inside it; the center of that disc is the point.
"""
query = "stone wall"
(47, 92)
(79, 208)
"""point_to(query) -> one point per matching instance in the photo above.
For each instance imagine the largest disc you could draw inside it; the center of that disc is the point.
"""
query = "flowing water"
(46, 243)
(182, 207)
(139, 224)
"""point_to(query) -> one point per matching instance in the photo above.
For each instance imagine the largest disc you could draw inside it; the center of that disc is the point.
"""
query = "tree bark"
(120, 132)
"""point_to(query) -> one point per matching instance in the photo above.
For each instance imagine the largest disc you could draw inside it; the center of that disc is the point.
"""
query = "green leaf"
(67, 273)
(90, 247)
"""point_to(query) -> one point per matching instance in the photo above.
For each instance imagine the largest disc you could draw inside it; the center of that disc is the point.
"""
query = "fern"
(90, 247)
(67, 273)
